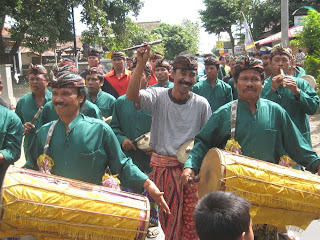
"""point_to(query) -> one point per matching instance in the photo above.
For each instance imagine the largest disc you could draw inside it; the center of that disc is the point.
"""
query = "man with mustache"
(177, 116)
(116, 81)
(295, 95)
(81, 147)
(216, 91)
(263, 129)
(29, 104)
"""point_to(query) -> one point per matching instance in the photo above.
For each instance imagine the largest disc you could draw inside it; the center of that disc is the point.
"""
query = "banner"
(248, 42)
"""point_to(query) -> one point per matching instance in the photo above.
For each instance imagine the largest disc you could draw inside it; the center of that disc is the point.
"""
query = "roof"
(149, 25)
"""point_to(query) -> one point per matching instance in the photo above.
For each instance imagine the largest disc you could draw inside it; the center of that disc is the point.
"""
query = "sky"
(171, 12)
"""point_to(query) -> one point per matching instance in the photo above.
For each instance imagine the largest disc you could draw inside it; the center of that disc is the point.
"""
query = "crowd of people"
(64, 119)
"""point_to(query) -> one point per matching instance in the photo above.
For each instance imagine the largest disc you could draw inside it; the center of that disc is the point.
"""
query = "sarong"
(166, 173)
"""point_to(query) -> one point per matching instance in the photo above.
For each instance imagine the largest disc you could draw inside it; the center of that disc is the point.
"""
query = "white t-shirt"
(173, 123)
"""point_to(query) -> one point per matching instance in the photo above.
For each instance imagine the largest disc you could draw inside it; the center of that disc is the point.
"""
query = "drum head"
(310, 79)
(211, 172)
(184, 150)
(144, 143)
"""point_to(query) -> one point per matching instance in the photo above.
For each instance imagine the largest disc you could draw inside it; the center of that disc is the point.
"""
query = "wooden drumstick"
(36, 116)
(282, 73)
(142, 45)
(194, 179)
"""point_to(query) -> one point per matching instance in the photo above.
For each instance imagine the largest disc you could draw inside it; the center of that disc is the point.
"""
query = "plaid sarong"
(166, 173)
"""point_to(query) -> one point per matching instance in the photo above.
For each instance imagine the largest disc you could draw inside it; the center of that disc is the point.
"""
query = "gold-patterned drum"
(51, 207)
(280, 196)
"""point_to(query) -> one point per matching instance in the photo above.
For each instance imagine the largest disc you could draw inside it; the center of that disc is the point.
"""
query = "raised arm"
(134, 84)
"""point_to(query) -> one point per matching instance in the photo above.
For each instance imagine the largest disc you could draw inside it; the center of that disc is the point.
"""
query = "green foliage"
(312, 65)
(266, 15)
(178, 38)
(42, 23)
(310, 35)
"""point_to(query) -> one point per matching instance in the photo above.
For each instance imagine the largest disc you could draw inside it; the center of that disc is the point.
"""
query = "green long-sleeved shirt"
(84, 152)
(217, 96)
(265, 135)
(298, 109)
(88, 108)
(26, 109)
(166, 85)
(127, 122)
(234, 89)
(11, 131)
(104, 102)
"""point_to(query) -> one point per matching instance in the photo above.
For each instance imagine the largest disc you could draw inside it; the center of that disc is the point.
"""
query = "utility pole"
(284, 23)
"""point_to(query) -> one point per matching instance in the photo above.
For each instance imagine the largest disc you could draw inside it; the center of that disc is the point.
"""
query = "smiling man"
(29, 104)
(177, 116)
(82, 147)
(162, 73)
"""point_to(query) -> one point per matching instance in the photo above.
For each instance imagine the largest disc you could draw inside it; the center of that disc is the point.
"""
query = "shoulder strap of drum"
(49, 136)
(233, 115)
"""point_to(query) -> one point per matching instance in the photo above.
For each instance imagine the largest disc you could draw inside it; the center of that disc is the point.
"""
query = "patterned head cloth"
(240, 59)
(37, 69)
(94, 70)
(65, 64)
(208, 55)
(156, 55)
(186, 62)
(279, 50)
(212, 60)
(116, 54)
(129, 59)
(94, 52)
(162, 63)
(249, 63)
(67, 80)
(147, 68)
(265, 50)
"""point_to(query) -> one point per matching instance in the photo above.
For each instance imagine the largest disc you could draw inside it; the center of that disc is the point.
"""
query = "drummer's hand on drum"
(127, 145)
(186, 174)
(156, 195)
(27, 127)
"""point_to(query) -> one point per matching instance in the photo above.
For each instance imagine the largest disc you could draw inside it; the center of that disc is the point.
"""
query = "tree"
(309, 38)
(42, 23)
(178, 38)
(38, 23)
(220, 15)
(266, 15)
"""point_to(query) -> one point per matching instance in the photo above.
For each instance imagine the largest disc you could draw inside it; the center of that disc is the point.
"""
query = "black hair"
(222, 216)
(82, 91)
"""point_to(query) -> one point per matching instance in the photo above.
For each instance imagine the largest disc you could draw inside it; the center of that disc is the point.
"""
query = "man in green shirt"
(82, 147)
(216, 91)
(28, 105)
(263, 129)
(162, 73)
(103, 100)
(128, 124)
(295, 95)
(11, 131)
